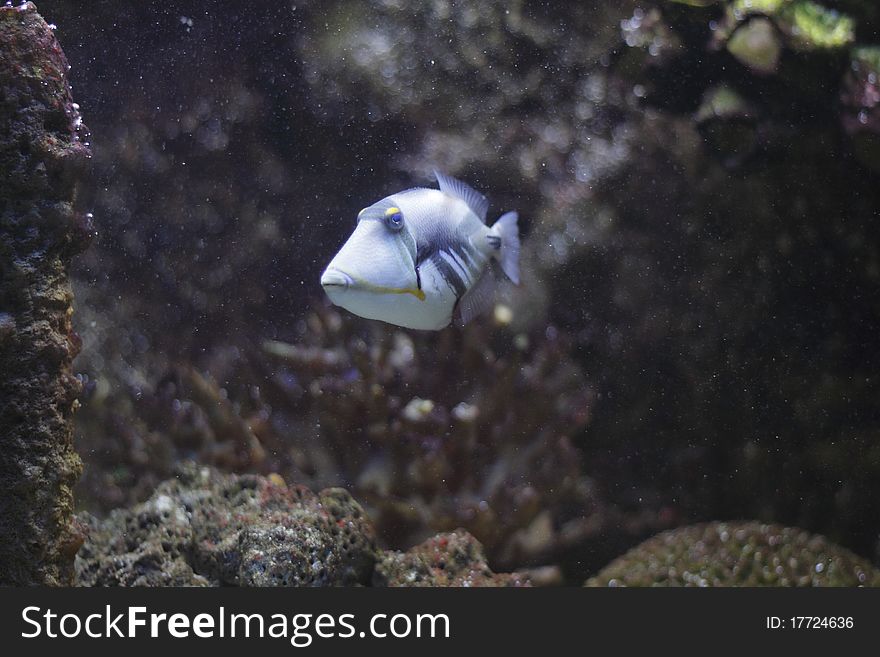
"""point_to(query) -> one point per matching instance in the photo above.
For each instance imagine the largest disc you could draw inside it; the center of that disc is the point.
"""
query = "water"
(695, 338)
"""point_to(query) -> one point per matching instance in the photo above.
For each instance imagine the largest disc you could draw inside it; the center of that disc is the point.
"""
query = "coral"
(738, 554)
(133, 435)
(454, 559)
(337, 407)
(463, 453)
(43, 151)
(206, 528)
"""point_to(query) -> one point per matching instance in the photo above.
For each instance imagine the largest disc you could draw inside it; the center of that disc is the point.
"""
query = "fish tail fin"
(508, 254)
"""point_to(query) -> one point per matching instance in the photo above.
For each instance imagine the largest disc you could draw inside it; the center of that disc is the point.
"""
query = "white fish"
(418, 256)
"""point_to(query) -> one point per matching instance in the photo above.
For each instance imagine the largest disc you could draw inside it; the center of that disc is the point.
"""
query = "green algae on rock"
(205, 528)
(455, 559)
(43, 151)
(738, 554)
(808, 25)
(812, 25)
(756, 44)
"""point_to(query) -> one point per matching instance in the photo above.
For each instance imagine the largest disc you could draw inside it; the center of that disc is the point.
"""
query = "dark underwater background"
(696, 335)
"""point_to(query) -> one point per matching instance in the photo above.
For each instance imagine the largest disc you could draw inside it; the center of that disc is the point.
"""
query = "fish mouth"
(336, 279)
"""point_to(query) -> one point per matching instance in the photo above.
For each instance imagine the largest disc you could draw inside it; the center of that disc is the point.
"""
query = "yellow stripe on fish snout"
(381, 289)
(418, 294)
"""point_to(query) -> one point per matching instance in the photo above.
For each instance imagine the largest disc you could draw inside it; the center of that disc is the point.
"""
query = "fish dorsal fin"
(478, 203)
(479, 299)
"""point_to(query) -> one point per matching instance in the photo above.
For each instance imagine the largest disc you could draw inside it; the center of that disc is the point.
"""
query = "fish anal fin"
(478, 203)
(477, 300)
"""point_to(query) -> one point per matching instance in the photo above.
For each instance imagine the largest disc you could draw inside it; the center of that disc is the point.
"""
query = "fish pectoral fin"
(477, 300)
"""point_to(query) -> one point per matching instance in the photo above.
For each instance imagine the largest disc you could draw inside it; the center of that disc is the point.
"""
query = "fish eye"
(394, 218)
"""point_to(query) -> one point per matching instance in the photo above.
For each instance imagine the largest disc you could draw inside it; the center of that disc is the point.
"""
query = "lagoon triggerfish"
(421, 256)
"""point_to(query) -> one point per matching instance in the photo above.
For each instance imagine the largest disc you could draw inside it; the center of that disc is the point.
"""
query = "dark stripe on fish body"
(470, 256)
(470, 250)
(453, 280)
(459, 259)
